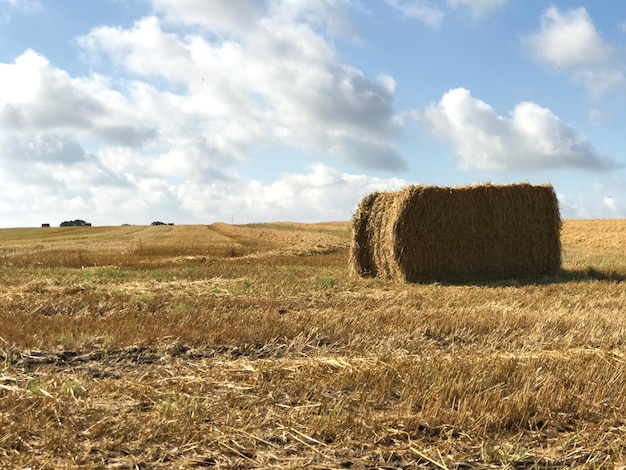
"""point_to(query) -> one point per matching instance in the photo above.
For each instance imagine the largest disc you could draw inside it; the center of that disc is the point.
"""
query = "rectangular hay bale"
(465, 233)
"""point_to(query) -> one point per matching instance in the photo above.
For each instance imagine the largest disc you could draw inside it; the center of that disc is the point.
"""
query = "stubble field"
(251, 347)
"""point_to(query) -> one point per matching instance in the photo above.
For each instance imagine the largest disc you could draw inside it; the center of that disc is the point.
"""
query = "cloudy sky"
(196, 111)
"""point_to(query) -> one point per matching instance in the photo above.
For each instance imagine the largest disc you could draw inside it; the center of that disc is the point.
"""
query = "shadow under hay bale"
(468, 233)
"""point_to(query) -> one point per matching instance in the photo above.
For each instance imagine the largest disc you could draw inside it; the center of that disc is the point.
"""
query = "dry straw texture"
(428, 233)
(249, 347)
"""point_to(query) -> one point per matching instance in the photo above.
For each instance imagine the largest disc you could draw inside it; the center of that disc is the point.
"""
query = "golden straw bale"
(361, 254)
(465, 233)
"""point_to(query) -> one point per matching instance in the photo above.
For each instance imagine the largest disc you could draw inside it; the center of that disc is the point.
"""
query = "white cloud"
(569, 40)
(478, 7)
(183, 103)
(281, 83)
(231, 17)
(598, 118)
(145, 49)
(37, 97)
(531, 138)
(577, 207)
(388, 83)
(323, 193)
(600, 80)
(330, 16)
(613, 205)
(419, 10)
(432, 13)
(45, 148)
(22, 5)
(236, 18)
(7, 7)
(49, 119)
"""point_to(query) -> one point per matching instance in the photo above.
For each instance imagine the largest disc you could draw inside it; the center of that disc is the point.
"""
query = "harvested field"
(251, 347)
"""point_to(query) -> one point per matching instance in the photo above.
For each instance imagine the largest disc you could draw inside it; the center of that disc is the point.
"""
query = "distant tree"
(74, 223)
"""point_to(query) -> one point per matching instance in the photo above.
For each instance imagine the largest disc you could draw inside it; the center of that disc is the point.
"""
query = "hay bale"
(430, 233)
(361, 253)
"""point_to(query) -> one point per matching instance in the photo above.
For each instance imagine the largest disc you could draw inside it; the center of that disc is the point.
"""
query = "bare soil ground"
(250, 347)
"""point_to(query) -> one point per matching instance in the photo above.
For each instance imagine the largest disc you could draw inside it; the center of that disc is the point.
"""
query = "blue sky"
(195, 111)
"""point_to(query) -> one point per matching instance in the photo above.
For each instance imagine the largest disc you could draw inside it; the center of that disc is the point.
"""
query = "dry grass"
(251, 347)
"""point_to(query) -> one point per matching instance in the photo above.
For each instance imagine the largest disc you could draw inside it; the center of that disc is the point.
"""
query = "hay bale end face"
(466, 233)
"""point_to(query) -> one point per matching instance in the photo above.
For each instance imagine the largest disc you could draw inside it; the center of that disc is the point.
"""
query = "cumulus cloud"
(570, 40)
(279, 83)
(44, 148)
(35, 96)
(236, 18)
(48, 119)
(531, 138)
(322, 193)
(319, 193)
(232, 17)
(189, 93)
